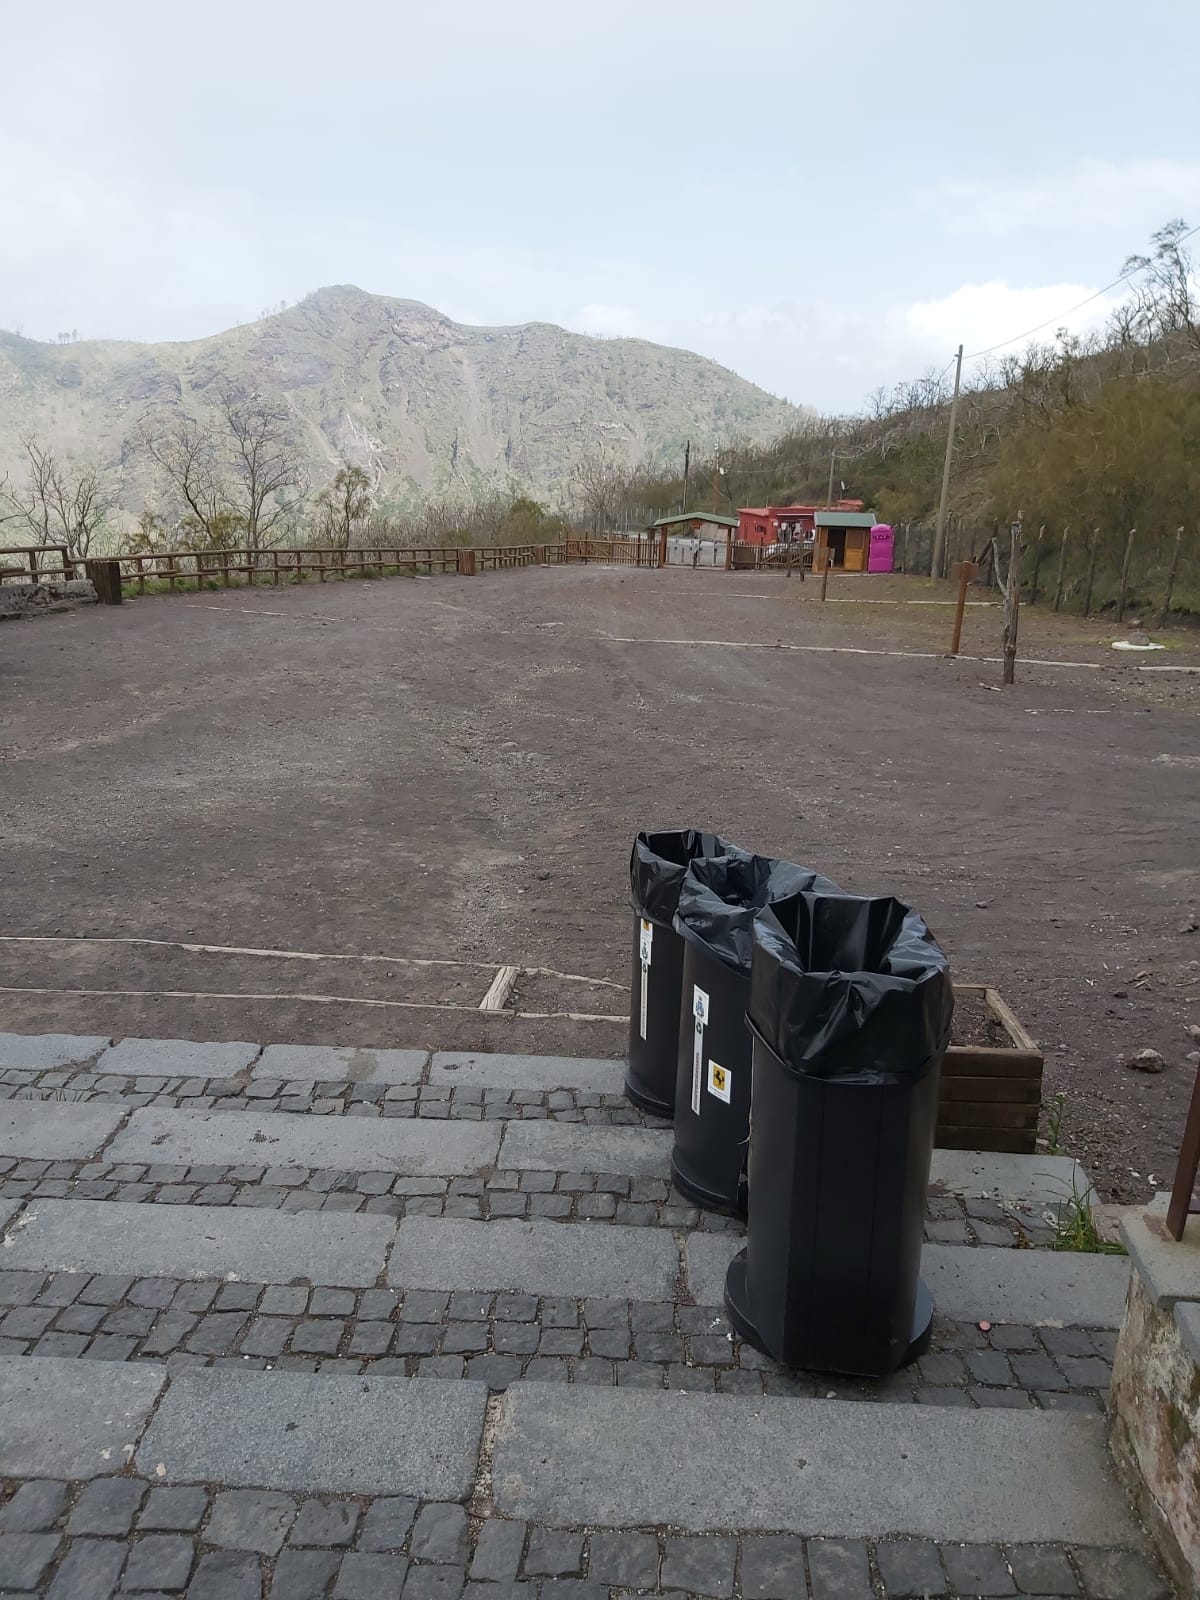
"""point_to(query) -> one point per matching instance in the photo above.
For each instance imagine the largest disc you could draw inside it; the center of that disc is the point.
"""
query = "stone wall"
(1155, 1398)
(55, 594)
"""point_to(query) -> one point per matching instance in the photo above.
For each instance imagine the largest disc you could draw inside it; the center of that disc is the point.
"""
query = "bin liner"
(849, 1008)
(657, 867)
(718, 902)
(849, 987)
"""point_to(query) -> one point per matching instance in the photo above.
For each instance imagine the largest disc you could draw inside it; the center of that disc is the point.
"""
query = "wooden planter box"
(991, 1096)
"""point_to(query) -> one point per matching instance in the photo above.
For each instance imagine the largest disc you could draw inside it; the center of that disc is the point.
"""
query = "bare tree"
(240, 480)
(61, 503)
(187, 454)
(343, 506)
(265, 466)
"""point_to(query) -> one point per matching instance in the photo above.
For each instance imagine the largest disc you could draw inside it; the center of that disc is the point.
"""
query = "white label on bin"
(647, 942)
(645, 993)
(720, 1081)
(699, 1004)
(697, 1064)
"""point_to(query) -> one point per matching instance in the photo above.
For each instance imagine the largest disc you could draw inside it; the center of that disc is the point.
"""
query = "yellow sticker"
(720, 1081)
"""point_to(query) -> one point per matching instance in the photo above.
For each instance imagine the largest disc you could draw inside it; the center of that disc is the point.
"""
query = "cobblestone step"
(76, 1539)
(977, 1283)
(569, 1459)
(504, 1337)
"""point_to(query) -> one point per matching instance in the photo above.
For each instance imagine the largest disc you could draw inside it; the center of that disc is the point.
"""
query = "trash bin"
(718, 901)
(656, 871)
(849, 1009)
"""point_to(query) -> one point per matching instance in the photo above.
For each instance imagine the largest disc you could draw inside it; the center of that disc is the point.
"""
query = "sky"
(826, 199)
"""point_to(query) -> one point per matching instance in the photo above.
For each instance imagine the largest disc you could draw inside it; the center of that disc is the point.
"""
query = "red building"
(781, 524)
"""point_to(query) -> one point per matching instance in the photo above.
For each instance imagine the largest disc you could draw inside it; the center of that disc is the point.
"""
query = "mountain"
(425, 404)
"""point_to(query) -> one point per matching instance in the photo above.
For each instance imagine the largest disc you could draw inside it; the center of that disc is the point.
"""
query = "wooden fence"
(35, 562)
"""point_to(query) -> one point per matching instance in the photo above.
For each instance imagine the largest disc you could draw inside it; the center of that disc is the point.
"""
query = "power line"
(1123, 278)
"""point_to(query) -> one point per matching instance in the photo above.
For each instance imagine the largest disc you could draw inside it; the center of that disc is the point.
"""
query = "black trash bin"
(657, 867)
(849, 1009)
(718, 902)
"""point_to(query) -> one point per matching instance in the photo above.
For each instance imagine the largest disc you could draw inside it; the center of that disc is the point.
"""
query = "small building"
(843, 540)
(696, 525)
(764, 525)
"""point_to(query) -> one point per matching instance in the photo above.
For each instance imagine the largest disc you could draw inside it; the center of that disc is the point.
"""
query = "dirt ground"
(452, 770)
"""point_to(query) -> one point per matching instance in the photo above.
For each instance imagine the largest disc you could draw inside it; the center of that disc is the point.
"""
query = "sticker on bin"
(700, 1013)
(647, 941)
(720, 1081)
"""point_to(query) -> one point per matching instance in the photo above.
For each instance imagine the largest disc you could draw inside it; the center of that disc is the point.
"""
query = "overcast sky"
(826, 199)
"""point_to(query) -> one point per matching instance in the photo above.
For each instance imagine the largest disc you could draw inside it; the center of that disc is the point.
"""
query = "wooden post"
(1189, 1164)
(1037, 561)
(1012, 601)
(1124, 594)
(825, 555)
(966, 571)
(1093, 545)
(728, 549)
(1166, 605)
(662, 548)
(1062, 567)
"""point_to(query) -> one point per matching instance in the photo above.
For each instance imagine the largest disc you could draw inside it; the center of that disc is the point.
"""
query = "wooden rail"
(193, 568)
(39, 561)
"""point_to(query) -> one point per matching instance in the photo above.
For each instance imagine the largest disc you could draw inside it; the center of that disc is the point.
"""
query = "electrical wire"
(1125, 277)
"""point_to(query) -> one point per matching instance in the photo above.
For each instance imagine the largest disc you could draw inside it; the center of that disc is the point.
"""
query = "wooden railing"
(38, 561)
(769, 558)
(615, 552)
(193, 568)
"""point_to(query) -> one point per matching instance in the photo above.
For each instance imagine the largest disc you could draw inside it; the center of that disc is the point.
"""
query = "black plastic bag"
(849, 988)
(720, 898)
(659, 863)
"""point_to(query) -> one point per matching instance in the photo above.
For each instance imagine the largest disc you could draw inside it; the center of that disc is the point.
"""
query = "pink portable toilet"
(879, 556)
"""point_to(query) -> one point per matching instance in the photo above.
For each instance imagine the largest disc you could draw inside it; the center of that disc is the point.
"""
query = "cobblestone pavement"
(507, 1338)
(125, 1536)
(332, 1097)
(558, 1196)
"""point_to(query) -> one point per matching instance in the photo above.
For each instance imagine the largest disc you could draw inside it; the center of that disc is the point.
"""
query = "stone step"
(710, 1462)
(444, 1147)
(575, 1457)
(571, 1259)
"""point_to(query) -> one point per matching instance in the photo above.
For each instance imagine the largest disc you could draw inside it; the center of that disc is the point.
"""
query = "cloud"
(980, 315)
(1126, 195)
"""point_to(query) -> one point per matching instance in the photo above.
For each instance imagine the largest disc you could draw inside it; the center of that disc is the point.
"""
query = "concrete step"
(969, 1283)
(63, 1129)
(577, 1457)
(281, 1371)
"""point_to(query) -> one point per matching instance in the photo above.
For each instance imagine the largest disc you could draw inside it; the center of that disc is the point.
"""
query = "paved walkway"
(327, 1341)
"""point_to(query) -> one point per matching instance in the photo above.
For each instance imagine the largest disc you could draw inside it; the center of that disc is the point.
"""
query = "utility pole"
(939, 538)
(832, 460)
(716, 481)
(1012, 602)
(687, 467)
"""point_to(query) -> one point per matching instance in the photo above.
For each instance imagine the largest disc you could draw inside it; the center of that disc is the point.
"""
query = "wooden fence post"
(1093, 546)
(1062, 567)
(728, 549)
(1166, 605)
(904, 550)
(1012, 602)
(966, 571)
(826, 553)
(1124, 593)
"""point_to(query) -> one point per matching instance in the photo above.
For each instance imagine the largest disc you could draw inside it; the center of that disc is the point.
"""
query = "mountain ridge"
(426, 405)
